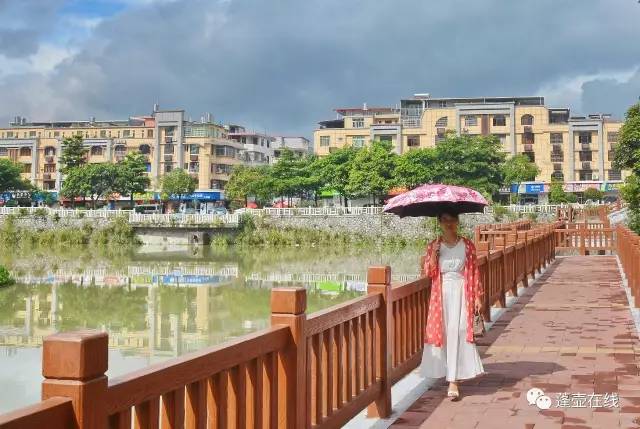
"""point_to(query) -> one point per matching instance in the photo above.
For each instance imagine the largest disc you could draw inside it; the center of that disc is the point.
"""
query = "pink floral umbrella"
(430, 200)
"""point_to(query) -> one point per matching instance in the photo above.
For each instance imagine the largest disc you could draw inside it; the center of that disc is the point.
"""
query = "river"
(159, 303)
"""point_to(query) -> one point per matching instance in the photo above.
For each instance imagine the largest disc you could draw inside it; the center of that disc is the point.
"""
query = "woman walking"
(456, 291)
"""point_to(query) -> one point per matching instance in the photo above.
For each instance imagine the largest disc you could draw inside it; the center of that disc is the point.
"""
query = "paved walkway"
(571, 332)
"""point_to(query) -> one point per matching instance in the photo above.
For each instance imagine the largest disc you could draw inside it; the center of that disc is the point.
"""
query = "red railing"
(315, 371)
(628, 248)
(585, 237)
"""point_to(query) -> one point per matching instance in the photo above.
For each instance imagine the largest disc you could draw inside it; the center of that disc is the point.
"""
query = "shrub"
(5, 277)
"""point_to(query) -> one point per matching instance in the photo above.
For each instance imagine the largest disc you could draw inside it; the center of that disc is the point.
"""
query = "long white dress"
(457, 359)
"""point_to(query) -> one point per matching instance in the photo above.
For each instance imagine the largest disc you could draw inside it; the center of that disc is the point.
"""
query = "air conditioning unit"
(586, 166)
(168, 158)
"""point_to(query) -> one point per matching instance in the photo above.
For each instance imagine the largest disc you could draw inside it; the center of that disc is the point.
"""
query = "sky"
(280, 66)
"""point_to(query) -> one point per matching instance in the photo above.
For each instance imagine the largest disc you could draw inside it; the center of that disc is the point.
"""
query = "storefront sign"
(534, 188)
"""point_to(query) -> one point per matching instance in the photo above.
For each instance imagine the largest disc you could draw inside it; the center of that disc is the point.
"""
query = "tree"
(627, 156)
(334, 170)
(178, 182)
(247, 182)
(557, 195)
(472, 161)
(76, 184)
(518, 169)
(73, 153)
(593, 194)
(132, 175)
(10, 178)
(287, 176)
(415, 167)
(372, 171)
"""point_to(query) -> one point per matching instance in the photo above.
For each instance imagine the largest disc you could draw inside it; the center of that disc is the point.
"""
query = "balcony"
(168, 158)
(49, 159)
(46, 176)
(557, 157)
(411, 123)
(528, 148)
(585, 147)
(193, 157)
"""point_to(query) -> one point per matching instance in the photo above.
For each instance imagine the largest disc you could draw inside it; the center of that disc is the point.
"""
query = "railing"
(179, 219)
(63, 212)
(585, 237)
(628, 247)
(303, 372)
(312, 211)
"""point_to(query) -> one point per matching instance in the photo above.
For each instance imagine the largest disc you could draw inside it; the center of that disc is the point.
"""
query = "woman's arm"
(478, 286)
(431, 259)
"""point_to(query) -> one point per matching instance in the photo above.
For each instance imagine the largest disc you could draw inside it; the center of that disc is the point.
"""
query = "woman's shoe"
(453, 395)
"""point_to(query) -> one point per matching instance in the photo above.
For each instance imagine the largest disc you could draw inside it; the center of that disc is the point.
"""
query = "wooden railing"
(585, 237)
(315, 371)
(628, 247)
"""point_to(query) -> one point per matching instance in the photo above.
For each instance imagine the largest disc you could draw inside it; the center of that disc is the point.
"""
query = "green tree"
(372, 171)
(75, 184)
(472, 161)
(132, 175)
(415, 167)
(247, 182)
(627, 156)
(557, 195)
(10, 178)
(178, 182)
(287, 176)
(334, 170)
(73, 153)
(593, 194)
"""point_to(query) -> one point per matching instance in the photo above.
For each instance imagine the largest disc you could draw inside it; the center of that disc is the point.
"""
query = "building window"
(48, 186)
(612, 137)
(49, 151)
(499, 121)
(413, 141)
(56, 133)
(358, 122)
(324, 140)
(586, 155)
(148, 167)
(4, 151)
(586, 175)
(168, 149)
(528, 138)
(25, 151)
(531, 155)
(557, 175)
(168, 168)
(9, 134)
(442, 122)
(120, 150)
(145, 149)
(556, 138)
(96, 150)
(225, 151)
(440, 137)
(470, 121)
(615, 175)
(126, 133)
(149, 134)
(221, 168)
(26, 168)
(32, 133)
(584, 138)
(611, 155)
(357, 141)
(49, 168)
(526, 120)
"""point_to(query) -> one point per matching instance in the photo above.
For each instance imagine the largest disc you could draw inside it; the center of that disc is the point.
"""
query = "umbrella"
(431, 200)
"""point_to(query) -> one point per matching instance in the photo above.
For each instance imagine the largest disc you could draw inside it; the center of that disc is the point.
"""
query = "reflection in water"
(158, 305)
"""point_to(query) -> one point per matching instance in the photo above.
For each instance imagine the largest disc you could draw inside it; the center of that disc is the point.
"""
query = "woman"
(456, 292)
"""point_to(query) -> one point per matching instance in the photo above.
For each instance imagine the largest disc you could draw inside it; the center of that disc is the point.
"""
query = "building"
(257, 148)
(573, 149)
(300, 146)
(167, 140)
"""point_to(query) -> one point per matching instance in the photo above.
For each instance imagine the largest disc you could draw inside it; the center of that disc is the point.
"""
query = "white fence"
(313, 211)
(173, 219)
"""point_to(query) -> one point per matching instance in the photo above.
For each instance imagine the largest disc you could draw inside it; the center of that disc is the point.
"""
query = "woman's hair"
(450, 213)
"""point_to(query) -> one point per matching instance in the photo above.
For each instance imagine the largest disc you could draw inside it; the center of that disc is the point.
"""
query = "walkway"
(571, 332)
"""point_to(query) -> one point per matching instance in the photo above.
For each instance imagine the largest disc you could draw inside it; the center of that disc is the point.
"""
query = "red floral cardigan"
(472, 289)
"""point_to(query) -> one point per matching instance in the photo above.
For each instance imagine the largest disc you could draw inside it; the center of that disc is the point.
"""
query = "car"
(148, 208)
(220, 210)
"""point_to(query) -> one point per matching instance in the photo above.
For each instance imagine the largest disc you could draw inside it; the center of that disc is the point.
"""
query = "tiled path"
(571, 332)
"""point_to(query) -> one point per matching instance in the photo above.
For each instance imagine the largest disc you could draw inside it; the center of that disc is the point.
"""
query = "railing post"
(288, 306)
(583, 236)
(379, 281)
(73, 365)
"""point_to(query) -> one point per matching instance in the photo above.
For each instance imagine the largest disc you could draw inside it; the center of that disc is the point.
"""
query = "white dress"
(457, 359)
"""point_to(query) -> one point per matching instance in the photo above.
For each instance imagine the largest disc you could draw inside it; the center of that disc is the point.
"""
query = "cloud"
(24, 23)
(281, 66)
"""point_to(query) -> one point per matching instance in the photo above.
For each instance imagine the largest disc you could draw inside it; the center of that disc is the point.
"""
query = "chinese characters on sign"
(536, 396)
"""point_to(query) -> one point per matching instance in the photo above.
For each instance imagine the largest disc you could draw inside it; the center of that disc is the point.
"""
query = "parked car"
(148, 209)
(220, 210)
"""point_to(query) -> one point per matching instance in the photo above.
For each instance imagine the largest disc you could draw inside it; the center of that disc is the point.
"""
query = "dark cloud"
(24, 23)
(283, 65)
(611, 95)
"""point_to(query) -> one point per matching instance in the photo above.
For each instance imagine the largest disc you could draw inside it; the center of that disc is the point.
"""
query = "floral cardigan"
(472, 290)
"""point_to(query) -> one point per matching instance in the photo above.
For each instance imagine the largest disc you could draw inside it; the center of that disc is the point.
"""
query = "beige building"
(565, 147)
(167, 140)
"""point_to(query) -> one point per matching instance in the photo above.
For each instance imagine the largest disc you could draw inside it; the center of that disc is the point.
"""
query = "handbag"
(478, 324)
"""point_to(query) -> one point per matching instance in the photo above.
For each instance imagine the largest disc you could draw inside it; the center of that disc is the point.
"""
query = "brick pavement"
(571, 332)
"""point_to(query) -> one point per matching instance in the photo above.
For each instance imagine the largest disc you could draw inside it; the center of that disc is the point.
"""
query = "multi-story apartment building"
(300, 146)
(257, 147)
(565, 147)
(166, 139)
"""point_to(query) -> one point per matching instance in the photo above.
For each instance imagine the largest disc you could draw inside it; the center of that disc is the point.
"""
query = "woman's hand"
(478, 305)
(435, 254)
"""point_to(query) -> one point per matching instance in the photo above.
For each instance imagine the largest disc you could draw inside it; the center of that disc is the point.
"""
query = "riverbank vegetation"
(5, 277)
(118, 234)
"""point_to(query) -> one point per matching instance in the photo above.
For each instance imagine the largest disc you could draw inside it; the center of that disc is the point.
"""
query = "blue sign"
(514, 188)
(534, 188)
(200, 196)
